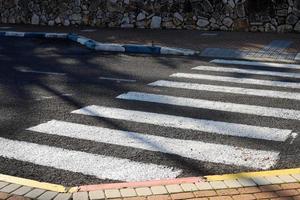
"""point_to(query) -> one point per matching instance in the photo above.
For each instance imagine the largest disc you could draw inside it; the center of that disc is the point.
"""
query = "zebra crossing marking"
(216, 127)
(106, 167)
(247, 71)
(237, 80)
(213, 105)
(216, 153)
(227, 89)
(253, 63)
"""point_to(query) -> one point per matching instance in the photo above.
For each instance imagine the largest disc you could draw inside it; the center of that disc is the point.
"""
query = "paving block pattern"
(233, 187)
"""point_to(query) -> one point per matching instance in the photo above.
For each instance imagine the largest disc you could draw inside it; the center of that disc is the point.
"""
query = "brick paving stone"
(16, 197)
(246, 182)
(159, 197)
(218, 185)
(296, 176)
(112, 193)
(205, 193)
(3, 184)
(287, 193)
(4, 195)
(287, 186)
(199, 199)
(265, 195)
(80, 196)
(128, 192)
(244, 197)
(249, 190)
(232, 183)
(261, 181)
(174, 188)
(227, 192)
(10, 188)
(189, 187)
(33, 194)
(179, 196)
(22, 190)
(98, 194)
(49, 195)
(221, 198)
(63, 196)
(274, 179)
(159, 190)
(143, 191)
(135, 198)
(283, 198)
(203, 186)
(287, 178)
(269, 188)
(296, 197)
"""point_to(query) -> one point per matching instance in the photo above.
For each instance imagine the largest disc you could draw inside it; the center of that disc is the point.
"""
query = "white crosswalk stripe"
(103, 167)
(247, 71)
(227, 89)
(223, 128)
(237, 80)
(213, 105)
(216, 153)
(252, 63)
(225, 153)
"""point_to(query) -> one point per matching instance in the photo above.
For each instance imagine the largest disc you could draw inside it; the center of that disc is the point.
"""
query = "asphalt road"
(43, 80)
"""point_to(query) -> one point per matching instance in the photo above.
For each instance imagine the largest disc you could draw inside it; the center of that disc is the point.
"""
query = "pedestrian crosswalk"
(220, 149)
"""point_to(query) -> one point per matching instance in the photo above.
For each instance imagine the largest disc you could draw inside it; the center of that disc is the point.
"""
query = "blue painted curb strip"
(108, 47)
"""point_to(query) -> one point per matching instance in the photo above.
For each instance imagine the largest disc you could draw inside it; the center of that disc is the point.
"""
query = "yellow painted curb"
(253, 174)
(32, 183)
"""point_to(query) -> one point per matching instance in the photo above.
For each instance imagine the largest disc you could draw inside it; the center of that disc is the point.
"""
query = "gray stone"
(155, 22)
(141, 16)
(227, 21)
(51, 23)
(35, 20)
(297, 27)
(202, 22)
(178, 16)
(292, 19)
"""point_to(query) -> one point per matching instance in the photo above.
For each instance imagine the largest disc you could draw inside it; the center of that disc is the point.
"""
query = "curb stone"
(153, 49)
(106, 47)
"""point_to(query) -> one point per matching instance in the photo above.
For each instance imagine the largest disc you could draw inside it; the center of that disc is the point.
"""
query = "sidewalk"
(212, 44)
(272, 185)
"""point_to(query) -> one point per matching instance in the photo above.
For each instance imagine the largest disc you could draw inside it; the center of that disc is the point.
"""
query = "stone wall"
(240, 15)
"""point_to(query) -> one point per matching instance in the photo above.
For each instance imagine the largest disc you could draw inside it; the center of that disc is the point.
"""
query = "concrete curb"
(33, 34)
(105, 47)
(130, 48)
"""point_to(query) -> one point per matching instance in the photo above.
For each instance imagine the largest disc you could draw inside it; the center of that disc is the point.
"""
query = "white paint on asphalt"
(247, 71)
(252, 63)
(39, 72)
(15, 34)
(223, 128)
(88, 30)
(117, 79)
(5, 27)
(227, 89)
(103, 167)
(237, 80)
(52, 97)
(216, 153)
(213, 105)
